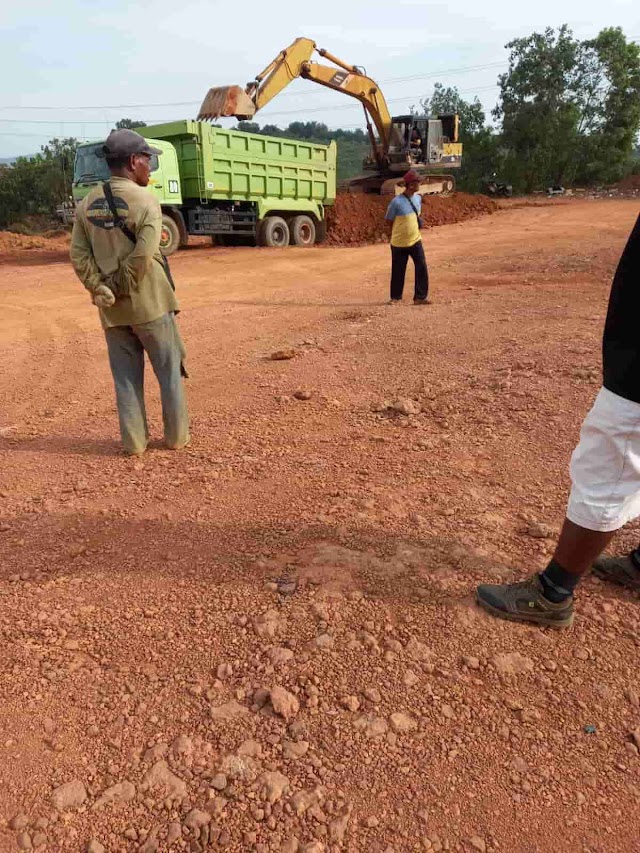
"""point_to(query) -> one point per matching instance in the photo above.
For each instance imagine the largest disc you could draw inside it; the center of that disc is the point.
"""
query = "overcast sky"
(72, 68)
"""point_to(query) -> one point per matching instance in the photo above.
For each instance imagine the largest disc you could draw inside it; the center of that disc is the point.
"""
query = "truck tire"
(169, 235)
(303, 231)
(273, 231)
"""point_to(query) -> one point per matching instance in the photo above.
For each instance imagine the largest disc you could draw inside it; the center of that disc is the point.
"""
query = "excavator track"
(380, 185)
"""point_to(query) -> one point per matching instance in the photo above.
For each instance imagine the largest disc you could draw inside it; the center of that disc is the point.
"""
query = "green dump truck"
(231, 185)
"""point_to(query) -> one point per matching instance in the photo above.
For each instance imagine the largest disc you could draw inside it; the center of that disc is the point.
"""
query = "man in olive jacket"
(118, 260)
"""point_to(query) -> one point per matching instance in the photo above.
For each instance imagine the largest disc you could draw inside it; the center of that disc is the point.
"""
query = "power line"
(44, 135)
(389, 80)
(390, 101)
(328, 107)
(72, 121)
(459, 70)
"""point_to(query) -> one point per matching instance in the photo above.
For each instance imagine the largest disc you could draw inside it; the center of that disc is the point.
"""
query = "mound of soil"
(359, 219)
(11, 242)
(26, 249)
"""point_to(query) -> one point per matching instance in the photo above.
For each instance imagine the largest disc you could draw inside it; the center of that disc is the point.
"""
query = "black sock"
(557, 583)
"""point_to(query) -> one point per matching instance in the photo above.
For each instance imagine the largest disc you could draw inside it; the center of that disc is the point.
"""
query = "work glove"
(103, 296)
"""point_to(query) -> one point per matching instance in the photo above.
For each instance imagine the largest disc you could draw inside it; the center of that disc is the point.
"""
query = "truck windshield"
(89, 167)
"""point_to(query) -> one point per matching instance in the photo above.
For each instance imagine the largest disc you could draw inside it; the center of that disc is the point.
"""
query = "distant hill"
(5, 160)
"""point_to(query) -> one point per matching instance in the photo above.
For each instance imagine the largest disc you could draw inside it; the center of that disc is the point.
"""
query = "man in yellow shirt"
(117, 258)
(406, 242)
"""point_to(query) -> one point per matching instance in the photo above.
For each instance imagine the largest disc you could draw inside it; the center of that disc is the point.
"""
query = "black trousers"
(399, 258)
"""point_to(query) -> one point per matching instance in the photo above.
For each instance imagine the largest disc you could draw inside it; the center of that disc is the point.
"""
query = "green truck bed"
(218, 163)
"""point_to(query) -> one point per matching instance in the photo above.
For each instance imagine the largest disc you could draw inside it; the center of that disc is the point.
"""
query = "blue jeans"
(161, 341)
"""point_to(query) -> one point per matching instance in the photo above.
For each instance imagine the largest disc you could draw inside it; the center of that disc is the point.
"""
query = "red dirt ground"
(269, 642)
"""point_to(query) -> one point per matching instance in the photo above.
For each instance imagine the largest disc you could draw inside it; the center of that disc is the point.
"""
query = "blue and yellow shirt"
(404, 212)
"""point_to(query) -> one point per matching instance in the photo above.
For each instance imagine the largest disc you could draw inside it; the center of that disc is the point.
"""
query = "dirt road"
(150, 610)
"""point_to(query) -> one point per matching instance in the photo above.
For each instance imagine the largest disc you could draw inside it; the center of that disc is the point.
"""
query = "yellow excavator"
(428, 144)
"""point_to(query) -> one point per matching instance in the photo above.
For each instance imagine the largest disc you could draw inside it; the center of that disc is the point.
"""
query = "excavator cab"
(426, 142)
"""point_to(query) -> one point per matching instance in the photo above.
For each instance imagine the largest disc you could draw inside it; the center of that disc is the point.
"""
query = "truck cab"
(90, 169)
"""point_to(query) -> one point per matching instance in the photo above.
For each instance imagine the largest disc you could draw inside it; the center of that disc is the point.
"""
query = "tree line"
(36, 185)
(568, 112)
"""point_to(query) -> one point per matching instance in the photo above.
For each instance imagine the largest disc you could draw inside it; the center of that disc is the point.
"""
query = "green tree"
(309, 130)
(129, 124)
(570, 110)
(249, 126)
(36, 185)
(272, 130)
(609, 98)
(59, 155)
(447, 99)
(538, 108)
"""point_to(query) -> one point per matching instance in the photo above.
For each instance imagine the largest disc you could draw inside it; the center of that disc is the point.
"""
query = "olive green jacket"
(102, 254)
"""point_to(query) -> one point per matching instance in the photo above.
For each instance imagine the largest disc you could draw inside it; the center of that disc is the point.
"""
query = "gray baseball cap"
(123, 143)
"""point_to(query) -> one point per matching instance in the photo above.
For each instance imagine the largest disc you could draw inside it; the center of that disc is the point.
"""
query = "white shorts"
(605, 466)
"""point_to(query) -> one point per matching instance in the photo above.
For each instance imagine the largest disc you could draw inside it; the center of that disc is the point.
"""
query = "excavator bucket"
(226, 101)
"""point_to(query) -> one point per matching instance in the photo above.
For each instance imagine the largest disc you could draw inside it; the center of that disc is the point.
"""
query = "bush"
(21, 228)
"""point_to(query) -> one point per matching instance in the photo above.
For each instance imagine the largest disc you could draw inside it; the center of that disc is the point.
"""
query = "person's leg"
(547, 598)
(578, 547)
(126, 357)
(605, 495)
(421, 291)
(399, 258)
(162, 343)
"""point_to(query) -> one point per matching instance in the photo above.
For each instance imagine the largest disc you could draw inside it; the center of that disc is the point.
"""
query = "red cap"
(411, 176)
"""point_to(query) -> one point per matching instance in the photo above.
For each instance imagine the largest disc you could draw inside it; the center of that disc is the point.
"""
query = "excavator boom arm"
(357, 85)
(279, 73)
(295, 61)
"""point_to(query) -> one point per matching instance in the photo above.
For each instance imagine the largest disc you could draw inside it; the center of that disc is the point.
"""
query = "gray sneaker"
(524, 602)
(620, 570)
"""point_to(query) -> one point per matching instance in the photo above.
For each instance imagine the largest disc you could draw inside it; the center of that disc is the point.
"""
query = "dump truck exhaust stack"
(226, 101)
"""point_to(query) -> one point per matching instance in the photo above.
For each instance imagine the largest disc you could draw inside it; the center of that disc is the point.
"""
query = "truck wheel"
(169, 235)
(273, 231)
(303, 231)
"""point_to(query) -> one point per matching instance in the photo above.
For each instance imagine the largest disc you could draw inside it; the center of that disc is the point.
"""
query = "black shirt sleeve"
(621, 341)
